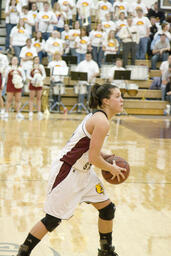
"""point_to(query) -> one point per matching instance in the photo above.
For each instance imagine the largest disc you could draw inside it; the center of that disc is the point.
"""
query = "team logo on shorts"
(99, 189)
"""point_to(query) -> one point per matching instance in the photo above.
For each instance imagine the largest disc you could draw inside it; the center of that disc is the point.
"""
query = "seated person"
(118, 66)
(160, 51)
(165, 65)
(168, 96)
(165, 79)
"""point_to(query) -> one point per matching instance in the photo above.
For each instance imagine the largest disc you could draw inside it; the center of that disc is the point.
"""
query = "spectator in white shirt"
(39, 43)
(45, 21)
(135, 6)
(90, 66)
(165, 65)
(12, 17)
(122, 5)
(108, 24)
(28, 19)
(84, 8)
(118, 66)
(97, 37)
(73, 34)
(27, 54)
(65, 38)
(103, 8)
(143, 27)
(18, 37)
(54, 44)
(67, 7)
(61, 17)
(82, 44)
(111, 44)
(130, 38)
(121, 22)
(33, 13)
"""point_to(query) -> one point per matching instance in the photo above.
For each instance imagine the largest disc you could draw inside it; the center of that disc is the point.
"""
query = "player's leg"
(47, 224)
(105, 225)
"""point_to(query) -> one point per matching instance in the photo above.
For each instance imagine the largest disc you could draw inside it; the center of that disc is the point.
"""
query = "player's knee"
(108, 212)
(50, 222)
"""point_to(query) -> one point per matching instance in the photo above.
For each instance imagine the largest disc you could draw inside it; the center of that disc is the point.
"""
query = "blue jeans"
(41, 55)
(45, 35)
(80, 57)
(89, 23)
(81, 99)
(17, 50)
(142, 48)
(111, 1)
(97, 53)
(73, 52)
(9, 27)
(58, 29)
(157, 57)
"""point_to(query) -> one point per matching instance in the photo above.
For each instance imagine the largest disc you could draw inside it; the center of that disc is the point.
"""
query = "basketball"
(121, 163)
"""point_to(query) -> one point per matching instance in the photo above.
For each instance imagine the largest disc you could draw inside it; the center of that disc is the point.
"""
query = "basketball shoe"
(110, 252)
(23, 250)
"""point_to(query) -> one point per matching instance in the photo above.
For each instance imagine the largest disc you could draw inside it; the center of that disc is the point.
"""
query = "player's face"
(116, 101)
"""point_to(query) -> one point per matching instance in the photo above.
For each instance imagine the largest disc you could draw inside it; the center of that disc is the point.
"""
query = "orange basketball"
(121, 163)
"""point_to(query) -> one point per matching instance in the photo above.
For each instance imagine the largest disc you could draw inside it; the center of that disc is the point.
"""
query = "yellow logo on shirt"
(45, 17)
(65, 3)
(75, 34)
(110, 44)
(25, 19)
(66, 37)
(34, 15)
(21, 31)
(58, 66)
(104, 7)
(55, 44)
(36, 45)
(98, 35)
(83, 41)
(140, 23)
(85, 4)
(107, 25)
(122, 25)
(99, 189)
(121, 7)
(29, 54)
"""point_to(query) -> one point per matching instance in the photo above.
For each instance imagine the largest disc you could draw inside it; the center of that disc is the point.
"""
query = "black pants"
(129, 48)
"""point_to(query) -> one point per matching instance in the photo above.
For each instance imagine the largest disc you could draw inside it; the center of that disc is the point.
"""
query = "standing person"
(122, 5)
(130, 38)
(143, 25)
(34, 13)
(14, 76)
(155, 12)
(103, 8)
(61, 17)
(73, 180)
(11, 19)
(84, 8)
(135, 6)
(73, 34)
(97, 37)
(39, 44)
(36, 85)
(82, 44)
(28, 20)
(111, 44)
(67, 7)
(46, 20)
(18, 37)
(3, 67)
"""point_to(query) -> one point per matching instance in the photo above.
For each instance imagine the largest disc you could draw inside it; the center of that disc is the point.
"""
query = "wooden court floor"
(143, 217)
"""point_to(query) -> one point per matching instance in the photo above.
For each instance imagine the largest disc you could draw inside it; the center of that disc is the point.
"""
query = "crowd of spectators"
(65, 27)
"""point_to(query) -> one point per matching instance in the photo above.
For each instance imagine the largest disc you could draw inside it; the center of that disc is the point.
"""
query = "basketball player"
(73, 180)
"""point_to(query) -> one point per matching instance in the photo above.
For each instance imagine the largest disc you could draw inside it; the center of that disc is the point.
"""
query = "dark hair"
(100, 92)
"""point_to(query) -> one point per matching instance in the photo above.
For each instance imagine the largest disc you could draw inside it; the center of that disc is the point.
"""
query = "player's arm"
(100, 130)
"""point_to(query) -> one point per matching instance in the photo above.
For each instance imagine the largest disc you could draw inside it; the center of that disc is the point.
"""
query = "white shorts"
(68, 187)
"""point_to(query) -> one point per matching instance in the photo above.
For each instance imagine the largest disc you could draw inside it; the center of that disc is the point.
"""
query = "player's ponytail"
(98, 93)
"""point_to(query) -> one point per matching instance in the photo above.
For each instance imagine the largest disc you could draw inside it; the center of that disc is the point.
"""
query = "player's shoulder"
(100, 119)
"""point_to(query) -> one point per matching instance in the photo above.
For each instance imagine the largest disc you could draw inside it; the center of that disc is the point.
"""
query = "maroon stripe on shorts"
(77, 151)
(64, 171)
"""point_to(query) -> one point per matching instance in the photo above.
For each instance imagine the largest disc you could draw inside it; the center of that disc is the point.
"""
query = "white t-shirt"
(19, 36)
(73, 34)
(82, 44)
(90, 67)
(104, 8)
(164, 66)
(123, 6)
(3, 63)
(108, 25)
(65, 8)
(43, 18)
(27, 52)
(61, 17)
(61, 64)
(33, 14)
(65, 35)
(53, 45)
(97, 38)
(135, 6)
(142, 24)
(39, 46)
(111, 46)
(13, 17)
(84, 7)
(121, 23)
(28, 17)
